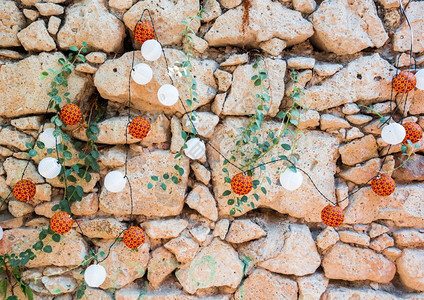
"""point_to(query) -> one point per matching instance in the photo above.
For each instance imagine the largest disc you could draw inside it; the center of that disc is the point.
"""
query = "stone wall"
(344, 51)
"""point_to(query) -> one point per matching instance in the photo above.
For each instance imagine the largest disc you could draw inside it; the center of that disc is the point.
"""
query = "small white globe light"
(420, 79)
(151, 50)
(142, 73)
(48, 139)
(195, 148)
(291, 180)
(1, 233)
(393, 133)
(168, 94)
(95, 275)
(49, 167)
(115, 181)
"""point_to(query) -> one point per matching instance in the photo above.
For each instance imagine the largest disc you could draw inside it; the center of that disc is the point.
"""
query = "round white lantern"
(115, 181)
(168, 94)
(142, 73)
(151, 50)
(420, 79)
(393, 133)
(291, 180)
(95, 275)
(49, 167)
(48, 139)
(195, 148)
(1, 233)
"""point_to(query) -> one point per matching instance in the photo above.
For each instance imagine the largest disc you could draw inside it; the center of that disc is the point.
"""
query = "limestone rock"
(167, 18)
(88, 187)
(199, 45)
(112, 157)
(224, 80)
(14, 168)
(349, 263)
(96, 57)
(49, 9)
(150, 202)
(301, 63)
(216, 265)
(221, 228)
(409, 238)
(86, 68)
(366, 78)
(244, 230)
(343, 27)
(264, 285)
(183, 247)
(53, 25)
(27, 123)
(101, 228)
(235, 59)
(410, 268)
(377, 230)
(201, 199)
(350, 108)
(392, 253)
(12, 21)
(161, 264)
(120, 5)
(230, 3)
(19, 209)
(317, 149)
(36, 38)
(382, 242)
(362, 173)
(305, 6)
(336, 293)
(97, 294)
(11, 54)
(312, 286)
(273, 46)
(202, 174)
(331, 122)
(70, 251)
(308, 119)
(90, 21)
(358, 119)
(353, 133)
(205, 123)
(123, 265)
(404, 207)
(359, 150)
(242, 101)
(23, 92)
(59, 284)
(402, 38)
(327, 238)
(45, 209)
(200, 233)
(87, 206)
(31, 14)
(14, 138)
(164, 229)
(411, 170)
(144, 97)
(298, 255)
(267, 20)
(352, 237)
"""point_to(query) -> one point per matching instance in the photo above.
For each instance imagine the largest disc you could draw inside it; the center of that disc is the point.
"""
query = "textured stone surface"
(89, 21)
(183, 247)
(23, 91)
(327, 238)
(402, 38)
(201, 199)
(410, 268)
(359, 150)
(161, 264)
(36, 38)
(349, 263)
(164, 229)
(409, 238)
(12, 21)
(244, 230)
(102, 228)
(312, 286)
(348, 236)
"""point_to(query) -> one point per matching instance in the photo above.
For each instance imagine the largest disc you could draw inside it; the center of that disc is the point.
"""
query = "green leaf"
(88, 177)
(73, 48)
(263, 190)
(32, 153)
(42, 235)
(40, 145)
(48, 249)
(232, 212)
(154, 178)
(81, 290)
(38, 245)
(256, 196)
(28, 145)
(166, 176)
(286, 146)
(71, 178)
(226, 193)
(55, 207)
(230, 201)
(56, 237)
(244, 199)
(258, 82)
(80, 191)
(149, 185)
(252, 204)
(163, 186)
(175, 179)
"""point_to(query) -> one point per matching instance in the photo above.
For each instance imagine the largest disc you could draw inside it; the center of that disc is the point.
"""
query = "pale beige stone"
(14, 138)
(235, 59)
(161, 264)
(216, 265)
(204, 123)
(224, 80)
(305, 6)
(144, 97)
(97, 294)
(267, 20)
(19, 208)
(102, 31)
(30, 98)
(301, 62)
(350, 109)
(53, 25)
(201, 199)
(87, 186)
(221, 228)
(49, 9)
(264, 285)
(120, 4)
(70, 251)
(354, 133)
(36, 38)
(101, 228)
(327, 69)
(359, 119)
(378, 229)
(366, 78)
(244, 230)
(27, 123)
(183, 247)
(96, 57)
(11, 54)
(273, 46)
(350, 263)
(59, 284)
(322, 147)
(338, 292)
(362, 173)
(230, 3)
(348, 236)
(177, 141)
(312, 287)
(308, 119)
(86, 68)
(404, 207)
(410, 268)
(241, 100)
(45, 209)
(87, 206)
(12, 21)
(346, 27)
(197, 43)
(303, 78)
(30, 14)
(202, 174)
(392, 253)
(412, 170)
(402, 38)
(164, 229)
(14, 169)
(200, 234)
(359, 150)
(382, 242)
(332, 122)
(123, 265)
(409, 238)
(112, 157)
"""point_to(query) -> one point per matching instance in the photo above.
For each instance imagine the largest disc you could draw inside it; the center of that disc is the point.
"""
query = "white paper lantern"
(141, 73)
(195, 148)
(151, 50)
(168, 94)
(420, 79)
(95, 275)
(115, 181)
(393, 133)
(1, 233)
(49, 167)
(48, 139)
(291, 180)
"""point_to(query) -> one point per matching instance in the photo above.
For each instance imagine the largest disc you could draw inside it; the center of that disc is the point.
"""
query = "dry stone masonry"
(344, 53)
